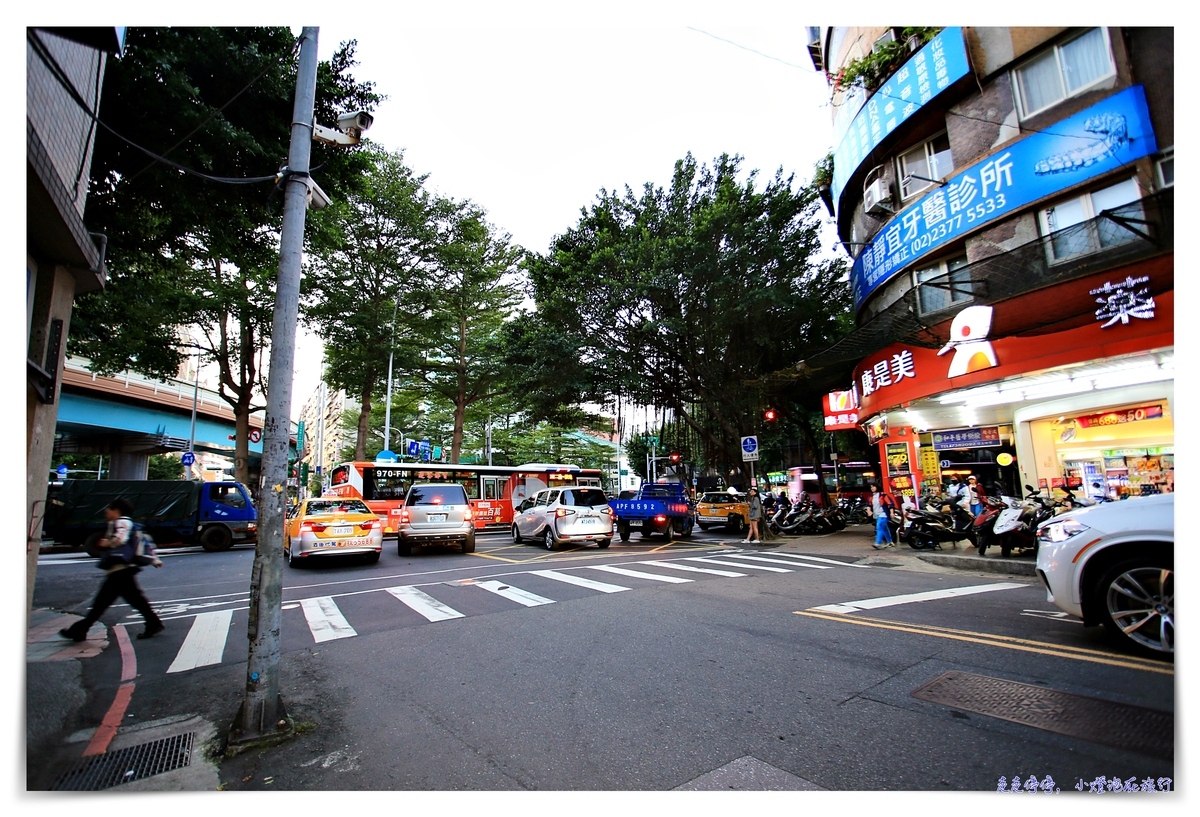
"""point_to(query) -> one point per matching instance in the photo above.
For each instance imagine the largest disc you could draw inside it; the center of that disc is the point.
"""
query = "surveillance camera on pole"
(349, 130)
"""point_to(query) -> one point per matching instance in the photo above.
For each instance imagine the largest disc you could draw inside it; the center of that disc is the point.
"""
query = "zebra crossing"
(205, 642)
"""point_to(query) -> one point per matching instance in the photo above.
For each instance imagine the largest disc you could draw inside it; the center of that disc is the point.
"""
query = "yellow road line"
(1007, 642)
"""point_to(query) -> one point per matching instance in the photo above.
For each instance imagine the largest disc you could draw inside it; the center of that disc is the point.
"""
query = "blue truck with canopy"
(213, 514)
(659, 507)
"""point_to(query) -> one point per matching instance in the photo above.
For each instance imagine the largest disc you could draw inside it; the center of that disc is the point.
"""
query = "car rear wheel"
(735, 523)
(669, 530)
(603, 543)
(548, 540)
(292, 561)
(516, 534)
(468, 545)
(623, 531)
(1137, 603)
(372, 557)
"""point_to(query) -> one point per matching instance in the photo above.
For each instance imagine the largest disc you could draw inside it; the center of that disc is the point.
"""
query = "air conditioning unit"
(877, 198)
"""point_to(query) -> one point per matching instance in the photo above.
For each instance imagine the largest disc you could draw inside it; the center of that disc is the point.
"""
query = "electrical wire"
(57, 72)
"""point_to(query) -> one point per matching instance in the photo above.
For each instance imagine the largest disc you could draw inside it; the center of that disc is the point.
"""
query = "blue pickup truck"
(659, 507)
(212, 514)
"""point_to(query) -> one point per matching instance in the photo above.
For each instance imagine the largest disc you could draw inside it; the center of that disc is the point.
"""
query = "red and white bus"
(494, 490)
(850, 479)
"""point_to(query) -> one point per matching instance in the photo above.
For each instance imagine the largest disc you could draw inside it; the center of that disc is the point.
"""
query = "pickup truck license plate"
(437, 517)
(637, 523)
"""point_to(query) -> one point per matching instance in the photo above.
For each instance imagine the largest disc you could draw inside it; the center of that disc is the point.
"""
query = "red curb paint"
(107, 730)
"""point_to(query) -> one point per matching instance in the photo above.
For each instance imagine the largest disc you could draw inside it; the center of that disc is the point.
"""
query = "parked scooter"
(985, 523)
(928, 529)
(1016, 528)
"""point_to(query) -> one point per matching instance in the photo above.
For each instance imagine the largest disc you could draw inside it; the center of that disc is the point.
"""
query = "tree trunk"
(364, 424)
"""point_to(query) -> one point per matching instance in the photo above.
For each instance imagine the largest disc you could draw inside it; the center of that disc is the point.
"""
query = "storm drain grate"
(127, 765)
(1134, 728)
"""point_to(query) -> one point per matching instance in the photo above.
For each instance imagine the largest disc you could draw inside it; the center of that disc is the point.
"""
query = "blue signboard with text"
(1108, 135)
(982, 437)
(938, 64)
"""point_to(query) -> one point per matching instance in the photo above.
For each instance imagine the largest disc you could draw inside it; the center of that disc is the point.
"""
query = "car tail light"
(374, 523)
(312, 527)
(467, 515)
(404, 516)
(561, 512)
(607, 510)
(660, 519)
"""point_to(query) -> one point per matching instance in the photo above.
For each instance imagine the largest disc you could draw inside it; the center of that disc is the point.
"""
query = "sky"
(531, 117)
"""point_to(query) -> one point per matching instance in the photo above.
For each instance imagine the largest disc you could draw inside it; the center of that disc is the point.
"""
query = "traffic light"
(674, 457)
(770, 415)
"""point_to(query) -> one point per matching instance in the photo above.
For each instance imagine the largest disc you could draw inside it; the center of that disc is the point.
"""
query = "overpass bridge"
(128, 417)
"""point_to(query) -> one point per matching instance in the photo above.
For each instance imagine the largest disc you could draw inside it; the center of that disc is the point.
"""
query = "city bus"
(852, 480)
(494, 490)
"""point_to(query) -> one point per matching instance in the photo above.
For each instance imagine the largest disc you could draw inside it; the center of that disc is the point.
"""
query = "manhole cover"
(127, 765)
(1135, 728)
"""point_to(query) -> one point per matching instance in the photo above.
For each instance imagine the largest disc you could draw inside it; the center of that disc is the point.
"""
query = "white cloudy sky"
(530, 114)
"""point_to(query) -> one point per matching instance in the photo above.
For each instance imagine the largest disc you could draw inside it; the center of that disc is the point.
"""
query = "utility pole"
(387, 411)
(262, 713)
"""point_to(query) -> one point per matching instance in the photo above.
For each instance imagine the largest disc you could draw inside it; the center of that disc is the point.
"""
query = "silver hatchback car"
(561, 516)
(436, 513)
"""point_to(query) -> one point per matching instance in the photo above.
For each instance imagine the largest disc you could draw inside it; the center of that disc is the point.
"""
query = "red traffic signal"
(675, 456)
(770, 415)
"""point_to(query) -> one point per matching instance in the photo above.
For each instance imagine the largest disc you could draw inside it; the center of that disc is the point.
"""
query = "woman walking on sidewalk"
(881, 506)
(120, 579)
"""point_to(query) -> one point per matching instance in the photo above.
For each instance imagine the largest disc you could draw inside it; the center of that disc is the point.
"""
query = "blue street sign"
(188, 458)
(62, 471)
(386, 456)
(749, 444)
(945, 463)
(413, 448)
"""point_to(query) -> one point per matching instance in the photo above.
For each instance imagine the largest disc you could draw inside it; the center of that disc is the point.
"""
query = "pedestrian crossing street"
(206, 641)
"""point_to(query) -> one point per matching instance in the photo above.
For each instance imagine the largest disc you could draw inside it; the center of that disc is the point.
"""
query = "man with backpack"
(123, 540)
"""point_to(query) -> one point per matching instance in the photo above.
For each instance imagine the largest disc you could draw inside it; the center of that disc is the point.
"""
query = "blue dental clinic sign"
(1110, 134)
(933, 69)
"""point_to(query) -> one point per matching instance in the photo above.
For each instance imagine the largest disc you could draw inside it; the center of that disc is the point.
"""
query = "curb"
(981, 563)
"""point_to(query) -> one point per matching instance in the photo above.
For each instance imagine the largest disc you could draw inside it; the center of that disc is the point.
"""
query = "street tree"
(470, 293)
(366, 290)
(692, 297)
(195, 123)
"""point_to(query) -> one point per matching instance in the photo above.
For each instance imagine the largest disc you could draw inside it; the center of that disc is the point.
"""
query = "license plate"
(589, 520)
(437, 517)
(342, 531)
(636, 524)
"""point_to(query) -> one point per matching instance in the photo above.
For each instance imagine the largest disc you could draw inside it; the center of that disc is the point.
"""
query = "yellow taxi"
(331, 526)
(723, 508)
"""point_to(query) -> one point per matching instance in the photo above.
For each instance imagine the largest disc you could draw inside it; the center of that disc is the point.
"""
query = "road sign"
(653, 441)
(413, 448)
(62, 471)
(945, 463)
(255, 435)
(749, 448)
(386, 456)
(188, 458)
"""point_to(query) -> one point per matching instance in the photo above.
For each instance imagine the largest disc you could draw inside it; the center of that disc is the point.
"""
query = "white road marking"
(620, 571)
(205, 641)
(776, 561)
(819, 559)
(569, 578)
(735, 564)
(325, 620)
(930, 595)
(423, 603)
(514, 593)
(675, 566)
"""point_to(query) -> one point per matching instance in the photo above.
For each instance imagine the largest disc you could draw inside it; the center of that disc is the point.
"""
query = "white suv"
(1114, 564)
(560, 516)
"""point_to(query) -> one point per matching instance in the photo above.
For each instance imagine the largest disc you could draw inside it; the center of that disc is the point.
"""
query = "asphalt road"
(444, 671)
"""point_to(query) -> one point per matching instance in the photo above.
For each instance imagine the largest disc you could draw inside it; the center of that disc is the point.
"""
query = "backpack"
(138, 550)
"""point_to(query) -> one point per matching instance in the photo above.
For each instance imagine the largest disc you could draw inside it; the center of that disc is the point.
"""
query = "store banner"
(841, 410)
(876, 428)
(982, 437)
(1112, 418)
(897, 458)
(1109, 135)
(937, 65)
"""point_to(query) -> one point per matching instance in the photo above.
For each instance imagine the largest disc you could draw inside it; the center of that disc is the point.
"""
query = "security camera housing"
(355, 123)
(317, 198)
